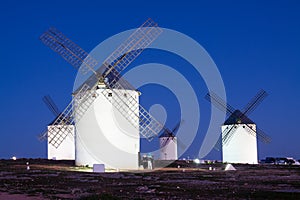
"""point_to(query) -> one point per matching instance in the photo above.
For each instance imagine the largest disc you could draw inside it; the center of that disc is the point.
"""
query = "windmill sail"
(219, 103)
(258, 133)
(51, 105)
(71, 52)
(132, 47)
(254, 102)
(61, 126)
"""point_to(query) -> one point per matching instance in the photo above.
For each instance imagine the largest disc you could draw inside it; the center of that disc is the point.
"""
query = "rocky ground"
(61, 180)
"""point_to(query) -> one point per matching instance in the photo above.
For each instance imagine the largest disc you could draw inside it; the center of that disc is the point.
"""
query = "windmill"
(239, 133)
(66, 150)
(168, 143)
(99, 139)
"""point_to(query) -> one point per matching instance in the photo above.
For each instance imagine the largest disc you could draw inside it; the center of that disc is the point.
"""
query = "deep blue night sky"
(255, 45)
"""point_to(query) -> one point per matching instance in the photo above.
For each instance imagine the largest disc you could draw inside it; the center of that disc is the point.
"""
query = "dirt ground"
(61, 180)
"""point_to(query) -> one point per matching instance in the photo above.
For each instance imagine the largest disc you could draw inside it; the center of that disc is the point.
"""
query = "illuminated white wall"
(66, 150)
(104, 136)
(242, 147)
(168, 150)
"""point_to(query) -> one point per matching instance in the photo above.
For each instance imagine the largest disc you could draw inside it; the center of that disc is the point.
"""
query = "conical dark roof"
(237, 117)
(167, 134)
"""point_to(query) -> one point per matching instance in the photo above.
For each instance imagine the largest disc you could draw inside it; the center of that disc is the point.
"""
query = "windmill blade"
(71, 52)
(132, 47)
(51, 105)
(258, 133)
(57, 134)
(177, 126)
(43, 135)
(172, 132)
(254, 102)
(219, 103)
(61, 128)
(262, 136)
(228, 133)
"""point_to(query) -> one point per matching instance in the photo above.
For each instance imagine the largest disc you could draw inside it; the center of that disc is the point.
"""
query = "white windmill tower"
(168, 144)
(239, 133)
(66, 150)
(105, 103)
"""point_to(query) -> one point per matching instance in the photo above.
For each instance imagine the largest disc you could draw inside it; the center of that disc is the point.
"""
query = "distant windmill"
(239, 133)
(66, 150)
(91, 107)
(168, 143)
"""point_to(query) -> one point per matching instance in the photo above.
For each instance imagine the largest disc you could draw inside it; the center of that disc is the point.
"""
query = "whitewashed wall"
(104, 136)
(242, 147)
(168, 150)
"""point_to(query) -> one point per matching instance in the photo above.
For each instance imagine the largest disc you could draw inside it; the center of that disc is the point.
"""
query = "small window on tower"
(110, 94)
